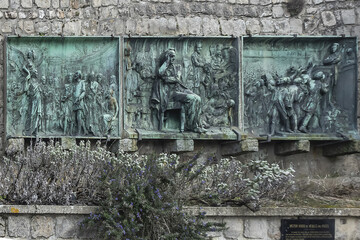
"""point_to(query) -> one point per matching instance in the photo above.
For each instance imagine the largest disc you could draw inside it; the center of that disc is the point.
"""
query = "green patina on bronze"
(296, 87)
(62, 86)
(186, 85)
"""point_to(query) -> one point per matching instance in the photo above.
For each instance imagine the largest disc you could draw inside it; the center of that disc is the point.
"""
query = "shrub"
(140, 197)
(49, 174)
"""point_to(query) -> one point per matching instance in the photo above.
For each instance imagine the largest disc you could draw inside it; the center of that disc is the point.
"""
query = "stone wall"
(187, 17)
(59, 222)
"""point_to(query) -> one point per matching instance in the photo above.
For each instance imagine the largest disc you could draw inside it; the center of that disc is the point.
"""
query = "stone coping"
(210, 211)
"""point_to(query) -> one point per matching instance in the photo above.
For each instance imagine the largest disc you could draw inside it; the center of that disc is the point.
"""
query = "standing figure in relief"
(66, 103)
(333, 60)
(78, 103)
(169, 88)
(132, 77)
(34, 93)
(317, 88)
(112, 110)
(198, 63)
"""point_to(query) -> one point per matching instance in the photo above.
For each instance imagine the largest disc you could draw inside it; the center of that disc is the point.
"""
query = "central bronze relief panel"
(181, 85)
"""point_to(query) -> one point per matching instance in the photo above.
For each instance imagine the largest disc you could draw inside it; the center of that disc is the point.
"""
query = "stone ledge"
(210, 211)
(46, 209)
(276, 212)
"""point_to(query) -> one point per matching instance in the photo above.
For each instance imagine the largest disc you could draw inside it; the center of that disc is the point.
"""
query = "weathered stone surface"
(64, 3)
(348, 16)
(194, 25)
(4, 4)
(2, 227)
(292, 147)
(253, 26)
(43, 3)
(42, 226)
(274, 225)
(72, 28)
(15, 145)
(67, 227)
(282, 26)
(130, 26)
(42, 27)
(26, 3)
(180, 145)
(328, 18)
(235, 228)
(318, 1)
(119, 27)
(125, 145)
(344, 148)
(56, 27)
(210, 27)
(239, 27)
(267, 25)
(255, 228)
(6, 27)
(236, 148)
(296, 26)
(19, 226)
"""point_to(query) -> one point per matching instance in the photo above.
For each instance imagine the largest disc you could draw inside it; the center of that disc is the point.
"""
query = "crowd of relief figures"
(316, 96)
(181, 85)
(51, 93)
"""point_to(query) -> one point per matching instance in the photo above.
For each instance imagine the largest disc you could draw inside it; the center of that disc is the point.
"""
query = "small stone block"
(180, 145)
(2, 227)
(15, 145)
(125, 145)
(292, 147)
(67, 226)
(345, 148)
(237, 148)
(42, 226)
(19, 226)
(68, 142)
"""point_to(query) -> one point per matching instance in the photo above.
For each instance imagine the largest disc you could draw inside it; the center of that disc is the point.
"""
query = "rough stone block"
(2, 227)
(318, 1)
(267, 25)
(125, 145)
(67, 142)
(194, 25)
(72, 28)
(180, 145)
(328, 18)
(64, 3)
(344, 148)
(26, 3)
(292, 147)
(237, 148)
(255, 229)
(14, 145)
(56, 27)
(67, 226)
(6, 27)
(19, 226)
(43, 3)
(210, 26)
(42, 226)
(296, 26)
(239, 28)
(42, 27)
(235, 228)
(253, 26)
(4, 4)
(283, 26)
(348, 16)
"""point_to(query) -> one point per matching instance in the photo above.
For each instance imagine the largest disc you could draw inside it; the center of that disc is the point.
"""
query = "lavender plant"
(50, 174)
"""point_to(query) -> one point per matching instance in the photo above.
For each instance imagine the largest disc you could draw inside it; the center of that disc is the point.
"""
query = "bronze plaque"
(62, 86)
(307, 229)
(300, 86)
(181, 84)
